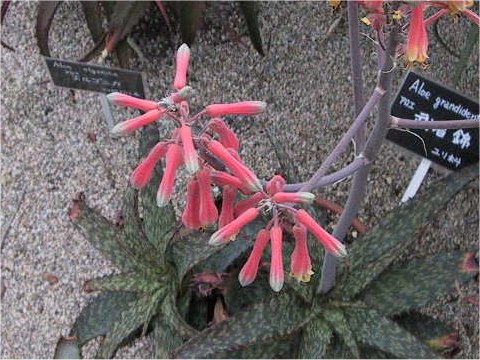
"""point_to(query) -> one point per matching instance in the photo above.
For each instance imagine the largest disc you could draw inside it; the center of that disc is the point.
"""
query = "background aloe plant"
(122, 16)
(184, 294)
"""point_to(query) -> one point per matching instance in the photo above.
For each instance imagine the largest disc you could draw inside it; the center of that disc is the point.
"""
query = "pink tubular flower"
(129, 126)
(225, 234)
(235, 166)
(182, 60)
(228, 205)
(249, 270)
(208, 212)
(239, 108)
(174, 159)
(373, 6)
(276, 263)
(295, 197)
(190, 213)
(226, 136)
(417, 41)
(275, 184)
(144, 171)
(223, 178)
(300, 263)
(247, 203)
(331, 244)
(117, 98)
(189, 153)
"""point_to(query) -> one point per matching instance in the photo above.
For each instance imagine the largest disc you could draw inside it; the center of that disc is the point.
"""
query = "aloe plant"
(122, 16)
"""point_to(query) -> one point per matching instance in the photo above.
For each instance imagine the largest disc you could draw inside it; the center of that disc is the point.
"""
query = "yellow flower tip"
(366, 21)
(397, 15)
(303, 277)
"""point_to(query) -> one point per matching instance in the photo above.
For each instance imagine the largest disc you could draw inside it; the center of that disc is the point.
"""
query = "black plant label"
(422, 99)
(82, 76)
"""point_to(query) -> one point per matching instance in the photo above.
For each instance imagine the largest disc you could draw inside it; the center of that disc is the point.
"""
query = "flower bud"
(190, 214)
(182, 60)
(275, 184)
(236, 167)
(174, 159)
(249, 270)
(239, 108)
(223, 178)
(226, 136)
(144, 171)
(129, 126)
(228, 205)
(117, 98)
(248, 203)
(208, 213)
(331, 244)
(189, 153)
(295, 197)
(224, 234)
(276, 264)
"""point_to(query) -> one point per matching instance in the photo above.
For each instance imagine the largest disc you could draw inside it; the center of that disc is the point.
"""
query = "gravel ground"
(47, 156)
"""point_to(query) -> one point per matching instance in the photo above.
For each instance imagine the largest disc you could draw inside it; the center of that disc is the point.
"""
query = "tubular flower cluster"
(456, 8)
(417, 41)
(183, 149)
(285, 218)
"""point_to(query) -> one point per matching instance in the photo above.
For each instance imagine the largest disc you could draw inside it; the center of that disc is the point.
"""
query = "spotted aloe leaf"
(165, 338)
(372, 329)
(130, 320)
(405, 287)
(337, 321)
(374, 252)
(67, 348)
(190, 19)
(140, 282)
(432, 332)
(283, 348)
(316, 337)
(260, 323)
(100, 314)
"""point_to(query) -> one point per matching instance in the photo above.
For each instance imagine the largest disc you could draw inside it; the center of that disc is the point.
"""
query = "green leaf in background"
(136, 282)
(371, 254)
(336, 319)
(374, 330)
(421, 281)
(165, 339)
(100, 314)
(126, 14)
(316, 337)
(172, 316)
(130, 320)
(276, 317)
(277, 349)
(432, 332)
(93, 17)
(67, 349)
(250, 14)
(190, 18)
(45, 14)
(337, 349)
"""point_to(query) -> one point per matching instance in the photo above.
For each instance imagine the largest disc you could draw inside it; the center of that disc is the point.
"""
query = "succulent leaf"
(172, 316)
(130, 320)
(67, 348)
(277, 349)
(260, 323)
(337, 349)
(45, 14)
(374, 252)
(135, 282)
(431, 331)
(377, 331)
(337, 321)
(91, 10)
(421, 281)
(105, 237)
(316, 337)
(100, 314)
(190, 18)
(249, 12)
(165, 339)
